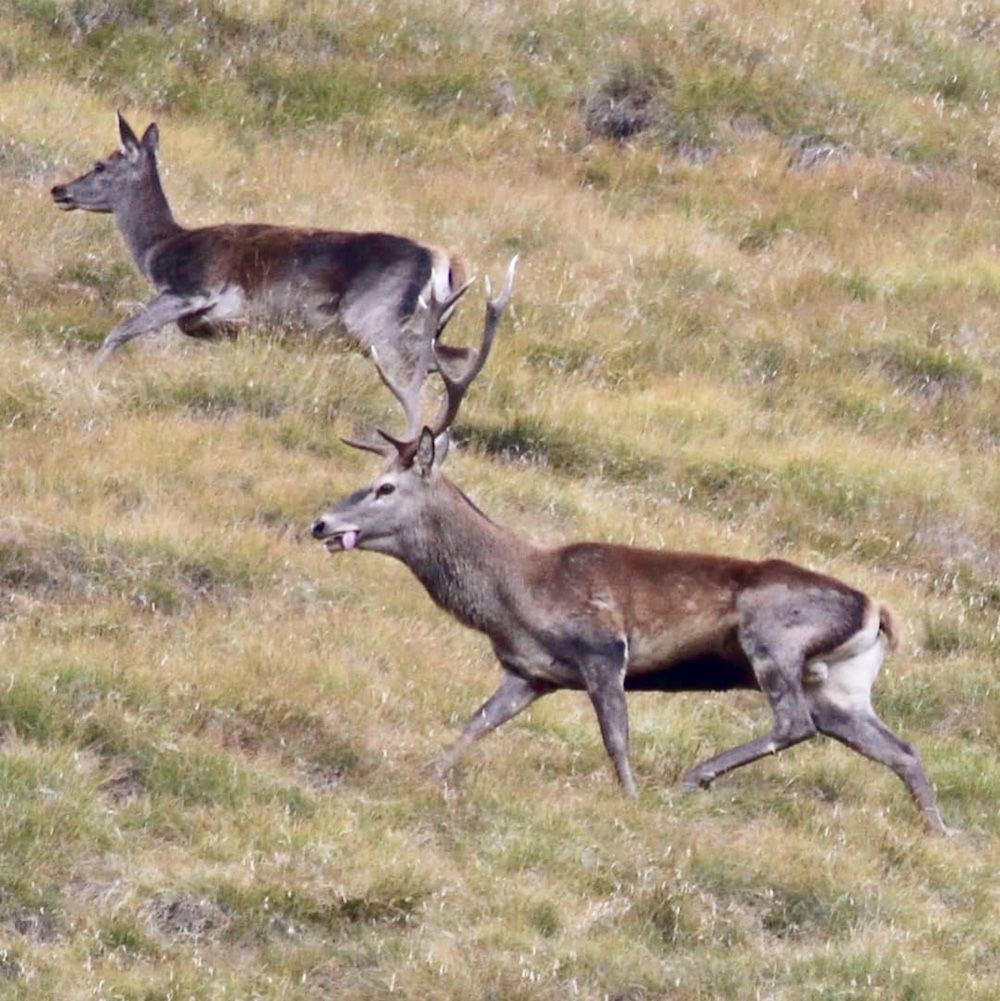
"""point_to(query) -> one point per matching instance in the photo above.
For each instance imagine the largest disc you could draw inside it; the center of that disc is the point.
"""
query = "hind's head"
(114, 178)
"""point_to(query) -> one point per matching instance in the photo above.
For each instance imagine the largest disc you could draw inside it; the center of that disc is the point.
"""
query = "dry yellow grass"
(212, 771)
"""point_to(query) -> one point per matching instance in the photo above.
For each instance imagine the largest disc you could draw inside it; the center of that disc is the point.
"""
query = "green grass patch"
(149, 575)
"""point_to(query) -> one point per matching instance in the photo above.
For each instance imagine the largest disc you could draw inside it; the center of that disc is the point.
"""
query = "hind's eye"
(98, 167)
(385, 490)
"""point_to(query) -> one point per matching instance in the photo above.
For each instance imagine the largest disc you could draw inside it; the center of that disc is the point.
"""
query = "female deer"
(212, 279)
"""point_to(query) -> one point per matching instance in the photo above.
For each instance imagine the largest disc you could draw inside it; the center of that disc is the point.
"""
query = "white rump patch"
(847, 682)
(860, 641)
(440, 283)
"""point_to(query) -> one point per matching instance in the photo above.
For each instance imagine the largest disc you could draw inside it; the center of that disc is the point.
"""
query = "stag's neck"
(144, 219)
(467, 563)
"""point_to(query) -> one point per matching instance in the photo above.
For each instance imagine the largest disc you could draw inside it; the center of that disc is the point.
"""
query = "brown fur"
(607, 618)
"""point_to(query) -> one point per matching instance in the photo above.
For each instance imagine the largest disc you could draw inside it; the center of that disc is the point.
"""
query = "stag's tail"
(888, 625)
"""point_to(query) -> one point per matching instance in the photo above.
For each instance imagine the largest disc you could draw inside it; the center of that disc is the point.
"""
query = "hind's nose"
(319, 529)
(58, 191)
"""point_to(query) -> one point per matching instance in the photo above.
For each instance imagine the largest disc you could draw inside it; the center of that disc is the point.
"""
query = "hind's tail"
(889, 625)
(447, 274)
(447, 278)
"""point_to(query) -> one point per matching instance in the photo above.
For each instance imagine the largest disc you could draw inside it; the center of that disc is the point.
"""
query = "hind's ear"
(130, 144)
(151, 139)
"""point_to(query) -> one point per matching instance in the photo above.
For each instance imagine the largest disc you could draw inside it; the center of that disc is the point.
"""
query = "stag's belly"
(697, 653)
(706, 672)
(684, 637)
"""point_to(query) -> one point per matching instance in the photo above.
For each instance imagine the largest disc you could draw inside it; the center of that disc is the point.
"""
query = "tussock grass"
(762, 322)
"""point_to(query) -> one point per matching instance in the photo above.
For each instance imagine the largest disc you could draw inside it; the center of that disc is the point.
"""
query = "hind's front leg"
(164, 309)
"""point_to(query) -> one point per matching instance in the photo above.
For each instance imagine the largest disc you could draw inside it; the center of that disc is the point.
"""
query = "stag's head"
(111, 180)
(379, 516)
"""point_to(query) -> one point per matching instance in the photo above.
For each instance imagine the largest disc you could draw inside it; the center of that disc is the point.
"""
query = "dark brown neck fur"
(453, 554)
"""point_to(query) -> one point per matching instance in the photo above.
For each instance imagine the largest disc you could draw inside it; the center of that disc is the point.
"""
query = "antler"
(456, 388)
(436, 317)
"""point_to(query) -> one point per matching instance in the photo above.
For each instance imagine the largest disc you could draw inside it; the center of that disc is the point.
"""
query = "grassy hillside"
(757, 313)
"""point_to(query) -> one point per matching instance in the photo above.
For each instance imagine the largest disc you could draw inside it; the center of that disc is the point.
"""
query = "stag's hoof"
(693, 781)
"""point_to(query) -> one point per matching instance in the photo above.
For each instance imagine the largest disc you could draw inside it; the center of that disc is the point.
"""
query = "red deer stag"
(210, 280)
(609, 619)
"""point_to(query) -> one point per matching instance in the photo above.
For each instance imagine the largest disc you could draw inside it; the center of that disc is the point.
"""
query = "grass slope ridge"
(757, 313)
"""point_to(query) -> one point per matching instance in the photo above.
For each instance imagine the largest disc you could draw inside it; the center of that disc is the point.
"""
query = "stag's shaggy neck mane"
(452, 552)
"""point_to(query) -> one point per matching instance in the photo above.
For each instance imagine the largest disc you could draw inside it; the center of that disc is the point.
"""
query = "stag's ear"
(151, 139)
(130, 144)
(441, 444)
(424, 459)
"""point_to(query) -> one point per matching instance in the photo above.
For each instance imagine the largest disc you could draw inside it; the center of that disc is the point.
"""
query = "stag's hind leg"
(841, 708)
(793, 723)
(776, 653)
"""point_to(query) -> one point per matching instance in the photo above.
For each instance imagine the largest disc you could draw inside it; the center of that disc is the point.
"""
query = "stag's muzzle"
(337, 540)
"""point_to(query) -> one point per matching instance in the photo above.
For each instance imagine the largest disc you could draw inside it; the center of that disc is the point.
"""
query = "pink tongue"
(349, 540)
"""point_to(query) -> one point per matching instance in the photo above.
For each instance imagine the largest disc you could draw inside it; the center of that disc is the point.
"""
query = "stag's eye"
(98, 167)
(385, 489)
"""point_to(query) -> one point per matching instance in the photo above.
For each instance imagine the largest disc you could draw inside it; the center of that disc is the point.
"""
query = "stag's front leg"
(513, 696)
(603, 673)
(164, 309)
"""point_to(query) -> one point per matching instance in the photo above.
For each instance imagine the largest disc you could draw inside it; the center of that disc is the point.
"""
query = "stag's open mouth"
(340, 542)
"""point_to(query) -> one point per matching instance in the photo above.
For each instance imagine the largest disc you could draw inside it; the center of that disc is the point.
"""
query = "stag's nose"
(58, 191)
(319, 528)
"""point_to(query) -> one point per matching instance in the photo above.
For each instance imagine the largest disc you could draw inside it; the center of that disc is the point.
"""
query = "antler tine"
(375, 447)
(408, 395)
(437, 315)
(456, 388)
(447, 310)
(435, 319)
